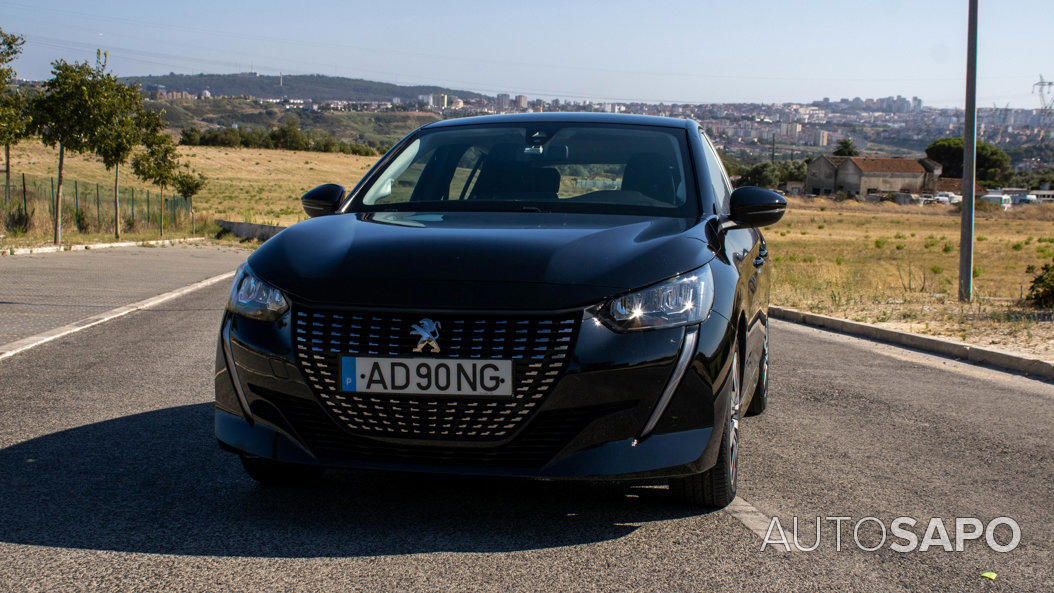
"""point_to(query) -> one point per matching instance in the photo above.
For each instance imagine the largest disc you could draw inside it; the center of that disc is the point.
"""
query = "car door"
(744, 249)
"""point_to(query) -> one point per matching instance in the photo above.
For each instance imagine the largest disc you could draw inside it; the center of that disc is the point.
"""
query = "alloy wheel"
(736, 398)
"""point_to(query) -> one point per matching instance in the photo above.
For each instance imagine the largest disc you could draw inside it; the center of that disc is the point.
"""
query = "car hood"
(491, 260)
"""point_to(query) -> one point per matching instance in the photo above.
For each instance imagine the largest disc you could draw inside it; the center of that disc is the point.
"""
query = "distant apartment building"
(790, 130)
(858, 176)
(439, 100)
(503, 101)
(521, 102)
(426, 99)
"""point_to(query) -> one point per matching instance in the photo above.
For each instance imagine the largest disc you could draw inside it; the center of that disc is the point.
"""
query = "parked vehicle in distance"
(1002, 199)
(945, 197)
(537, 295)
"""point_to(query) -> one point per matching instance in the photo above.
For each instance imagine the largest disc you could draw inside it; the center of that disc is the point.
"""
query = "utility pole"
(969, 156)
(772, 157)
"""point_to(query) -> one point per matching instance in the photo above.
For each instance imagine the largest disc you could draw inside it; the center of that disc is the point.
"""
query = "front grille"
(535, 446)
(539, 347)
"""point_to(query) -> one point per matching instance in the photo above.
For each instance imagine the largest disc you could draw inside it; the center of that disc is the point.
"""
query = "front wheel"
(275, 473)
(716, 487)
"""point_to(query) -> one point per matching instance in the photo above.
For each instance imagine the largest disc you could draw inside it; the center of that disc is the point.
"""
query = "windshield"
(593, 168)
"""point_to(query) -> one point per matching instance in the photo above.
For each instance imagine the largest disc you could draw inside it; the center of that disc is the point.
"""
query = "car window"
(718, 177)
(602, 168)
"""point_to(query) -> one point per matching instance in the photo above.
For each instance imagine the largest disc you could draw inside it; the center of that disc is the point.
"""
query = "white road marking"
(752, 518)
(13, 348)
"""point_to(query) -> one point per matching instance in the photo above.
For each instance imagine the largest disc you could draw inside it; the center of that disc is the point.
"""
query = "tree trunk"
(7, 174)
(162, 227)
(58, 197)
(116, 207)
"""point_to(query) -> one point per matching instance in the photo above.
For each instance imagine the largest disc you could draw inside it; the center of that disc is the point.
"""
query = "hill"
(308, 86)
(376, 129)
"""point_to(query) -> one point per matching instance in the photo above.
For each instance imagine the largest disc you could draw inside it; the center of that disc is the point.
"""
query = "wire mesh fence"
(27, 207)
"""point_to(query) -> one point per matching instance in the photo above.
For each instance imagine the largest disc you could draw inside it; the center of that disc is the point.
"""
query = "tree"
(14, 118)
(992, 164)
(159, 162)
(187, 184)
(121, 129)
(762, 175)
(846, 147)
(792, 170)
(65, 114)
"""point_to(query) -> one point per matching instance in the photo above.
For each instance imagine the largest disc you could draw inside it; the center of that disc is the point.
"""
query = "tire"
(716, 487)
(275, 473)
(760, 400)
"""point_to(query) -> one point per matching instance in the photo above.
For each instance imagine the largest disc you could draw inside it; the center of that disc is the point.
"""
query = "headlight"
(253, 298)
(681, 300)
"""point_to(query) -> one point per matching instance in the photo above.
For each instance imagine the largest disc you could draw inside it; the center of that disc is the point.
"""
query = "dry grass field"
(898, 266)
(244, 184)
(879, 263)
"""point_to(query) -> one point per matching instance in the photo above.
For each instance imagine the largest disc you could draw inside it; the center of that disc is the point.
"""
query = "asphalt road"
(110, 480)
(42, 291)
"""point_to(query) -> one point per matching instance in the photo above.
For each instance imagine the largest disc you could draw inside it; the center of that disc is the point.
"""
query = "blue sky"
(691, 51)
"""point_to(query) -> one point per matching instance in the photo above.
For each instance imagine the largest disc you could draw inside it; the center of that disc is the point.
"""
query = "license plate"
(426, 376)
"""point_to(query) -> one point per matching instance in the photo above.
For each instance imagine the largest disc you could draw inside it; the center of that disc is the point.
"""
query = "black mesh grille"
(535, 446)
(539, 347)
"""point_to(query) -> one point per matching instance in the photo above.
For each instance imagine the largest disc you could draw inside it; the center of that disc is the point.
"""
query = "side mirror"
(323, 200)
(753, 207)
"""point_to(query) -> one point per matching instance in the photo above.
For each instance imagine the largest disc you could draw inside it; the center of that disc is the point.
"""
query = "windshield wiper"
(530, 209)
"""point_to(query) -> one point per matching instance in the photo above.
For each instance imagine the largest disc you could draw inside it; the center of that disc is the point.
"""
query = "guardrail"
(250, 230)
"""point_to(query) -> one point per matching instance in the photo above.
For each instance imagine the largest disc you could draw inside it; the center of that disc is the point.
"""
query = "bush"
(17, 222)
(1041, 291)
(80, 219)
(288, 136)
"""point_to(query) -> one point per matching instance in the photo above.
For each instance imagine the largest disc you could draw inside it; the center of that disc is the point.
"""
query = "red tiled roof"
(954, 185)
(869, 164)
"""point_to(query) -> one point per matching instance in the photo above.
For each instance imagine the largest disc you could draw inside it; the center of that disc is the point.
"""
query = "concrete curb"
(90, 246)
(952, 348)
(249, 230)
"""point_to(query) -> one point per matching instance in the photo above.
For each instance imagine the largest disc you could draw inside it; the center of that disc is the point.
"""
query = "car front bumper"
(591, 425)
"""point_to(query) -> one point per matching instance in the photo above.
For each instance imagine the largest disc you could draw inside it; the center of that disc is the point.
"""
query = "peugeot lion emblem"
(428, 332)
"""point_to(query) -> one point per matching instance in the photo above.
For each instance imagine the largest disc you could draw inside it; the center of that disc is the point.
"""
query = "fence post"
(147, 207)
(25, 206)
(98, 217)
(76, 200)
(53, 205)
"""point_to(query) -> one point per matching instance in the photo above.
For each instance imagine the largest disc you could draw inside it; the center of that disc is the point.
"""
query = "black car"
(543, 295)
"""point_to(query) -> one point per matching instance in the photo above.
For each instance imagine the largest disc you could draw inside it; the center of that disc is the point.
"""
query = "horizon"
(585, 54)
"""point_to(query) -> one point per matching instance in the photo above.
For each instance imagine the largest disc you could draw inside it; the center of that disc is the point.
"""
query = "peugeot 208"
(544, 295)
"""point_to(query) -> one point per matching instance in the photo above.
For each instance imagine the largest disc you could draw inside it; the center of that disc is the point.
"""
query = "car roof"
(564, 117)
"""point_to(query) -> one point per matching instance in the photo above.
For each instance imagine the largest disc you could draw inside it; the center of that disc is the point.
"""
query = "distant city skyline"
(673, 52)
